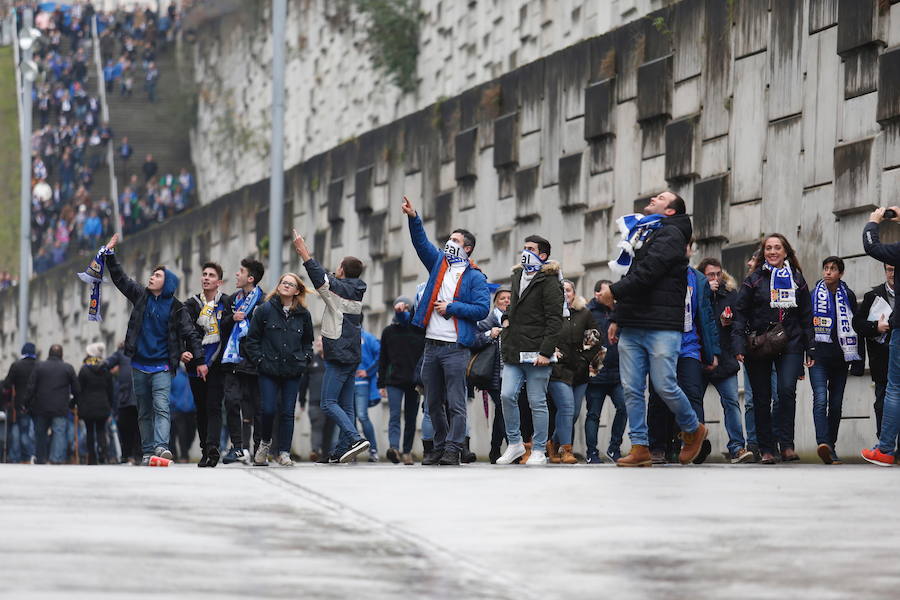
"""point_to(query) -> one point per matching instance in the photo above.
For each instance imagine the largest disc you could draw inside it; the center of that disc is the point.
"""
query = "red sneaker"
(877, 457)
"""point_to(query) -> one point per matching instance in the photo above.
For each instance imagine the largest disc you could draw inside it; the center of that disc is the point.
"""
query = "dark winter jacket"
(401, 348)
(705, 321)
(484, 339)
(651, 295)
(224, 318)
(342, 321)
(887, 253)
(472, 299)
(51, 387)
(572, 367)
(728, 364)
(180, 333)
(279, 345)
(97, 397)
(17, 381)
(752, 313)
(877, 351)
(535, 316)
(124, 385)
(609, 374)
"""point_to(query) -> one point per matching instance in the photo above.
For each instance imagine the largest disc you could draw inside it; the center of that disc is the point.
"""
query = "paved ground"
(385, 531)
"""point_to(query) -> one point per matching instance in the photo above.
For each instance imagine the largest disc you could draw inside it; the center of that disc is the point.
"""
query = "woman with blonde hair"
(279, 344)
(95, 401)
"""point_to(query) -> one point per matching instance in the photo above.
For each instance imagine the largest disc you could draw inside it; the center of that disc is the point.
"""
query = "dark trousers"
(775, 428)
(96, 439)
(184, 426)
(444, 375)
(498, 427)
(129, 434)
(242, 408)
(278, 396)
(663, 430)
(880, 390)
(208, 397)
(402, 400)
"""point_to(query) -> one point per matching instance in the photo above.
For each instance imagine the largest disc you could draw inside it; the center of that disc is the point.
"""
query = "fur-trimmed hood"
(579, 303)
(551, 268)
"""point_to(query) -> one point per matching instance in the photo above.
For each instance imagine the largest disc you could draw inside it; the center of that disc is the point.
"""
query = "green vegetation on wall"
(9, 164)
(394, 34)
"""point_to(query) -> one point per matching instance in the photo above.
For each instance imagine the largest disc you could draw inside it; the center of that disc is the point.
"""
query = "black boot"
(204, 459)
(212, 457)
(467, 456)
(450, 457)
(432, 458)
(427, 447)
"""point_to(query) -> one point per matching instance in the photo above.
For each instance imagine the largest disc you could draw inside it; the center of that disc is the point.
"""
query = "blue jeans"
(407, 399)
(151, 392)
(444, 375)
(731, 410)
(890, 420)
(596, 394)
(828, 378)
(654, 352)
(775, 422)
(57, 442)
(427, 429)
(21, 439)
(337, 402)
(536, 380)
(278, 395)
(566, 397)
(362, 414)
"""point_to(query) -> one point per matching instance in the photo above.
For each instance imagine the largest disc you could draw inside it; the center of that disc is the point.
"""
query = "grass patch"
(9, 164)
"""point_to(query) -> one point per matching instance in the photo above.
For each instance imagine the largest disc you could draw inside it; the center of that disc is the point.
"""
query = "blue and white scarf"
(455, 253)
(94, 275)
(827, 310)
(782, 289)
(634, 229)
(233, 348)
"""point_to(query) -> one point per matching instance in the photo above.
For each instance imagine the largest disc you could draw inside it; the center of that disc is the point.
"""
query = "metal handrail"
(104, 109)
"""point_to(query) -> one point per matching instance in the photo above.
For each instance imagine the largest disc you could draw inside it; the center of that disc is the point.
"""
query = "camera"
(890, 214)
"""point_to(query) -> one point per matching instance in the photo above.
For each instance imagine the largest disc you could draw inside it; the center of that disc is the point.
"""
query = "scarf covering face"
(233, 348)
(827, 310)
(94, 275)
(208, 320)
(531, 262)
(782, 289)
(455, 253)
(634, 229)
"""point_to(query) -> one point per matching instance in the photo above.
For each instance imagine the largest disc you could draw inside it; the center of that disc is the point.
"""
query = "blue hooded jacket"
(472, 300)
(152, 344)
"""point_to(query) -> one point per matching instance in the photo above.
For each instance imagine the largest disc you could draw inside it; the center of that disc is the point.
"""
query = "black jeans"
(242, 408)
(880, 390)
(662, 429)
(182, 434)
(208, 397)
(96, 440)
(775, 427)
(498, 427)
(129, 434)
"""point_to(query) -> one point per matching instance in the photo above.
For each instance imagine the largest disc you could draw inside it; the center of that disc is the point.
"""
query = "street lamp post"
(276, 183)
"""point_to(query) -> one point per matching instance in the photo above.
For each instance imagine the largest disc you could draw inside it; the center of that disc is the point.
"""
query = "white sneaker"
(537, 458)
(513, 451)
(245, 456)
(284, 459)
(261, 458)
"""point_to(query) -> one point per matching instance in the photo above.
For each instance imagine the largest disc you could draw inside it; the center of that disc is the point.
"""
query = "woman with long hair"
(95, 402)
(773, 326)
(279, 343)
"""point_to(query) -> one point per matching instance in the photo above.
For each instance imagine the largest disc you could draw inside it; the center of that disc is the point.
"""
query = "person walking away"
(95, 401)
(125, 406)
(52, 387)
(366, 388)
(20, 429)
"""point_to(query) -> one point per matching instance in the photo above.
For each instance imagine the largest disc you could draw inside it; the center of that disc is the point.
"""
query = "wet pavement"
(477, 531)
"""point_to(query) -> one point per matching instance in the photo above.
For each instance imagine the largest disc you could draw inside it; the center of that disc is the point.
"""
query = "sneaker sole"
(511, 459)
(646, 463)
(349, 454)
(876, 462)
(824, 453)
(744, 458)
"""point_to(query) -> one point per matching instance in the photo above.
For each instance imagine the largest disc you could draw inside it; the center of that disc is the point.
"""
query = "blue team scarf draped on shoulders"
(827, 311)
(233, 348)
(635, 229)
(782, 289)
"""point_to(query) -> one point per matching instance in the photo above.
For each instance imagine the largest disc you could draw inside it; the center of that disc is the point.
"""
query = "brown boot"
(566, 457)
(524, 458)
(638, 457)
(693, 443)
(552, 452)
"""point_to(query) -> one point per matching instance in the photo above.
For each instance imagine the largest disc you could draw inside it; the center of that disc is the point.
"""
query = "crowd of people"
(231, 368)
(70, 141)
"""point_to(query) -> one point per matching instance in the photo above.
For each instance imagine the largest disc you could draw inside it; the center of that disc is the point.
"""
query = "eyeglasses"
(289, 284)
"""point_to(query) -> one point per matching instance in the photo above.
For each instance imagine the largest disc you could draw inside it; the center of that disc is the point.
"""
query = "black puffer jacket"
(877, 351)
(535, 315)
(17, 381)
(651, 295)
(401, 348)
(96, 399)
(752, 313)
(51, 387)
(279, 345)
(728, 364)
(572, 367)
(224, 318)
(181, 333)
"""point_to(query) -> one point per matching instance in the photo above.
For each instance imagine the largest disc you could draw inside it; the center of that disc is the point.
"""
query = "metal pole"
(25, 213)
(276, 184)
(104, 110)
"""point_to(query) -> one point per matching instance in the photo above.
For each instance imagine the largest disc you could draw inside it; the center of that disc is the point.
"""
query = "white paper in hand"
(880, 310)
